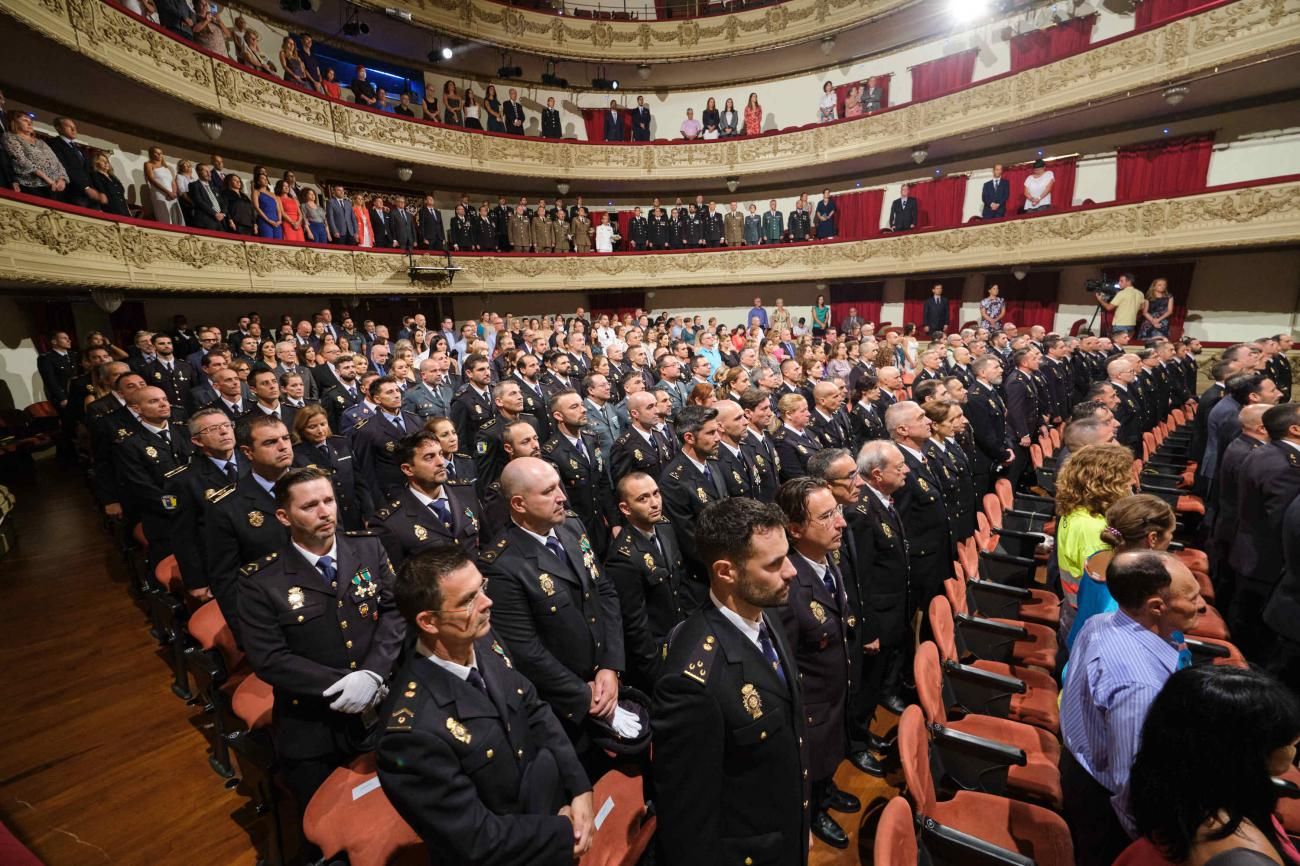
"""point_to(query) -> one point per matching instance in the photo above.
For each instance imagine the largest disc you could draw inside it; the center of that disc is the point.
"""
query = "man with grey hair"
(921, 506)
(879, 541)
(432, 396)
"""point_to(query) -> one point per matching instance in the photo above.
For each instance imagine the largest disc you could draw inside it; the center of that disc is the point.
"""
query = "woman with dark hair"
(240, 215)
(867, 421)
(266, 359)
(953, 469)
(315, 445)
(1201, 791)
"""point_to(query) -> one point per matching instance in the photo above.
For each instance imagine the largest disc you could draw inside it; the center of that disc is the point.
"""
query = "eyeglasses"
(216, 428)
(468, 608)
(829, 517)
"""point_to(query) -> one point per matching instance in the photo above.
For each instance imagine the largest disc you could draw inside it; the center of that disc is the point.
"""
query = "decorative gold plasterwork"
(39, 246)
(1220, 37)
(789, 23)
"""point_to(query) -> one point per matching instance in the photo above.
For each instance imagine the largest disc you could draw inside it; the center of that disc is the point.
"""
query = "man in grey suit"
(872, 96)
(340, 219)
(670, 382)
(602, 421)
(432, 397)
(286, 354)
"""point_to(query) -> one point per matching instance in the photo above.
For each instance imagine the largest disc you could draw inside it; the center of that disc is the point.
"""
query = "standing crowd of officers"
(501, 575)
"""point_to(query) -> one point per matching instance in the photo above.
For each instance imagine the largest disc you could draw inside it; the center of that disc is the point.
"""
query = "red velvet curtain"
(1152, 12)
(615, 304)
(594, 120)
(917, 292)
(843, 91)
(857, 215)
(944, 75)
(623, 223)
(1062, 189)
(1163, 168)
(867, 297)
(939, 202)
(1031, 301)
(1040, 47)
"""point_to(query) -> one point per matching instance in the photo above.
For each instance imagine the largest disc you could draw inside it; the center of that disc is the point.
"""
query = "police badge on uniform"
(699, 491)
(255, 519)
(469, 514)
(920, 482)
(458, 731)
(295, 597)
(637, 455)
(649, 562)
(151, 452)
(818, 612)
(752, 702)
(390, 446)
(169, 503)
(547, 585)
(884, 527)
(421, 534)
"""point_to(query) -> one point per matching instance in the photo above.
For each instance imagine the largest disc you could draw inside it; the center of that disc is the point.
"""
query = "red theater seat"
(350, 814)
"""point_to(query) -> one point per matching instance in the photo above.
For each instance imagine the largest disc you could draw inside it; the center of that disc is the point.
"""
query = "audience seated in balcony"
(252, 53)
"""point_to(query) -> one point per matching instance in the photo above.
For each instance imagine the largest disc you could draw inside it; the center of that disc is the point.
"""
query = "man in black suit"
(576, 456)
(903, 211)
(935, 316)
(175, 376)
(1228, 533)
(641, 120)
(430, 511)
(144, 460)
(691, 481)
(266, 393)
(380, 223)
(459, 687)
(1270, 481)
(241, 525)
(728, 712)
(57, 367)
(551, 120)
(614, 122)
(231, 397)
(401, 229)
(206, 209)
(76, 163)
(212, 469)
(321, 629)
(641, 448)
(545, 559)
(432, 236)
(375, 440)
(513, 111)
(817, 620)
(1025, 405)
(995, 195)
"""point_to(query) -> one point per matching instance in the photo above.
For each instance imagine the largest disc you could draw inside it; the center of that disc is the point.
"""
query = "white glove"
(625, 724)
(356, 692)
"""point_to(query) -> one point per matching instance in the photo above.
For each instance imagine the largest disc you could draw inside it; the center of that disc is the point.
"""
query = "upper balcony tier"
(1218, 50)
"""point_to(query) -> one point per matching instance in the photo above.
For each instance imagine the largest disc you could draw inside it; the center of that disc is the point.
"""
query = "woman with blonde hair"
(1156, 310)
(1090, 482)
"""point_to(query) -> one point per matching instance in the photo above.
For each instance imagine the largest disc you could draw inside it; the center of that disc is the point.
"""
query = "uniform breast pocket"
(759, 731)
(302, 616)
(558, 604)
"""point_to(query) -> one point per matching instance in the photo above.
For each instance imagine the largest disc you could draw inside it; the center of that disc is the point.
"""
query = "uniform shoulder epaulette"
(702, 660)
(624, 549)
(778, 435)
(458, 482)
(359, 533)
(620, 440)
(862, 508)
(551, 445)
(124, 434)
(360, 423)
(383, 513)
(491, 422)
(222, 494)
(569, 512)
(177, 471)
(252, 567)
(461, 389)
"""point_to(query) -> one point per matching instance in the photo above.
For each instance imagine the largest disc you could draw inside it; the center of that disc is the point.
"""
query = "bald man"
(143, 460)
(553, 607)
(642, 448)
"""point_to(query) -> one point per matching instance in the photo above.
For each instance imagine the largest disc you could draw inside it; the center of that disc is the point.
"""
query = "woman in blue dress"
(269, 218)
(824, 217)
(492, 107)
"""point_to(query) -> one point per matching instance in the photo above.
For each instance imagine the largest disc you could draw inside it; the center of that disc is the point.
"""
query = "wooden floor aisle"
(100, 762)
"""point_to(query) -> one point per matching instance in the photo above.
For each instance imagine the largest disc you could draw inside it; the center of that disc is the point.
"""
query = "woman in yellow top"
(1092, 480)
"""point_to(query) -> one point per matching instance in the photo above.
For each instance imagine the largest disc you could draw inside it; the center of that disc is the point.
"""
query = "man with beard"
(728, 714)
(576, 455)
(692, 481)
(431, 511)
(320, 627)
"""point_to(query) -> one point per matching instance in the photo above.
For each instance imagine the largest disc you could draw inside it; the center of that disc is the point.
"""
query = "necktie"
(451, 467)
(708, 474)
(582, 452)
(440, 508)
(232, 471)
(397, 422)
(831, 579)
(235, 408)
(166, 436)
(326, 566)
(554, 546)
(769, 651)
(475, 679)
(325, 451)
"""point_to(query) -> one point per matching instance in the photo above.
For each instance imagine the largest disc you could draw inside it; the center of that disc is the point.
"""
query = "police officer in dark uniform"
(638, 231)
(555, 610)
(692, 481)
(575, 454)
(375, 440)
(144, 459)
(739, 472)
(800, 223)
(527, 368)
(471, 757)
(110, 421)
(213, 470)
(816, 619)
(1024, 409)
(660, 230)
(825, 423)
(241, 526)
(920, 505)
(333, 454)
(460, 466)
(713, 226)
(174, 375)
(730, 765)
(988, 420)
(519, 440)
(1127, 412)
(883, 573)
(489, 455)
(865, 421)
(655, 590)
(430, 511)
(640, 449)
(757, 446)
(793, 441)
(471, 408)
(320, 627)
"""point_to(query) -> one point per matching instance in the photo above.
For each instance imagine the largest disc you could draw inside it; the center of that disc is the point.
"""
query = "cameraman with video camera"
(1124, 304)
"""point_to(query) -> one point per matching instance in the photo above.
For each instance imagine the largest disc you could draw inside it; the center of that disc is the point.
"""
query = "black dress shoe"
(867, 763)
(825, 829)
(880, 744)
(842, 801)
(894, 704)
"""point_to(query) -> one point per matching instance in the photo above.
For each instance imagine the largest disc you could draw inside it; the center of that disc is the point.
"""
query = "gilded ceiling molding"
(565, 37)
(1220, 37)
(44, 247)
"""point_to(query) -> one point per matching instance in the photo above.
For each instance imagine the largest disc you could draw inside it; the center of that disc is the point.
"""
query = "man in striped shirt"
(1118, 664)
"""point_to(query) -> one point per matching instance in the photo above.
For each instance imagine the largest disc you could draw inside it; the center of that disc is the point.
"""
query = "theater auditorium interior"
(650, 432)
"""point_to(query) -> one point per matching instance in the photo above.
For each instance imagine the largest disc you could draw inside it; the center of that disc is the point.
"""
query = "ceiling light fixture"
(920, 153)
(1176, 94)
(210, 124)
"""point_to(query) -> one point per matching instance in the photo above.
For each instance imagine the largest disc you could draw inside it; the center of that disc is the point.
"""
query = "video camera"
(1103, 286)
